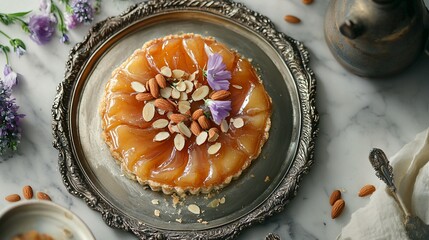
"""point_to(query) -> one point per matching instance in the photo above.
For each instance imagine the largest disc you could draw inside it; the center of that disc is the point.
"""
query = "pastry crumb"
(155, 201)
(194, 209)
(179, 220)
(267, 179)
(156, 212)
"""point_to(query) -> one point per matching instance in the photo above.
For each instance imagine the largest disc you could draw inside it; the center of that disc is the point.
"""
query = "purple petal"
(219, 110)
(10, 77)
(20, 51)
(217, 75)
(42, 28)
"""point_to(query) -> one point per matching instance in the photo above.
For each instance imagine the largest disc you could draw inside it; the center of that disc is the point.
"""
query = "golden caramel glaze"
(159, 164)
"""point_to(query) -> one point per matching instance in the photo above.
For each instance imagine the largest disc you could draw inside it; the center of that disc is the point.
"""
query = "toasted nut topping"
(153, 88)
(197, 113)
(166, 71)
(189, 86)
(175, 93)
(213, 149)
(184, 106)
(238, 123)
(183, 96)
(179, 142)
(204, 122)
(164, 105)
(184, 129)
(177, 73)
(213, 134)
(144, 97)
(224, 127)
(148, 112)
(200, 93)
(161, 136)
(181, 86)
(195, 128)
(162, 83)
(138, 87)
(166, 92)
(201, 138)
(177, 117)
(160, 123)
(220, 95)
(237, 86)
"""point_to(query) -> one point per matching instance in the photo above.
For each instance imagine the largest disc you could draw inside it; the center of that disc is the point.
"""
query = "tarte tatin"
(185, 114)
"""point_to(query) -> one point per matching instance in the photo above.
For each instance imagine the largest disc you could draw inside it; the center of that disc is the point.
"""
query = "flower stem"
(55, 8)
(4, 34)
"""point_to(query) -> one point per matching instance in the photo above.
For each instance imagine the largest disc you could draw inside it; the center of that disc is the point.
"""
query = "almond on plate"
(337, 208)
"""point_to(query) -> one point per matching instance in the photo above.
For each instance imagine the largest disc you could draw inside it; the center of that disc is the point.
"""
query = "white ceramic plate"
(44, 217)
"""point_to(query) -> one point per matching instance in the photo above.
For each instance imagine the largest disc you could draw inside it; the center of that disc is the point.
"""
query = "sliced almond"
(138, 87)
(181, 86)
(213, 134)
(202, 137)
(164, 105)
(194, 209)
(179, 142)
(184, 107)
(148, 112)
(238, 123)
(204, 122)
(177, 73)
(224, 127)
(153, 88)
(195, 128)
(144, 97)
(166, 92)
(184, 129)
(175, 93)
(166, 71)
(183, 96)
(193, 75)
(160, 79)
(160, 123)
(161, 112)
(161, 136)
(213, 149)
(172, 128)
(189, 86)
(177, 117)
(197, 113)
(200, 93)
(237, 86)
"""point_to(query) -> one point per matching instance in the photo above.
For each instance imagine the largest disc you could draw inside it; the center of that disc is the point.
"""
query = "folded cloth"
(382, 217)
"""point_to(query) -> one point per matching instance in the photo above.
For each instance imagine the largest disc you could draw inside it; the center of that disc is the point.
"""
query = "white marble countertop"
(356, 115)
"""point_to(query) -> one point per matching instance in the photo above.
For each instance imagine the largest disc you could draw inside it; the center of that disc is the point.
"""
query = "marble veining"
(356, 114)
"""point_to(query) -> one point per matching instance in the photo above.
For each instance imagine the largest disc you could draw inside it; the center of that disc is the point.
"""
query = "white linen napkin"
(382, 218)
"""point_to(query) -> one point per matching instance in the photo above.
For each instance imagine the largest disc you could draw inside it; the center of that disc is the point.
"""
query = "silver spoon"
(415, 227)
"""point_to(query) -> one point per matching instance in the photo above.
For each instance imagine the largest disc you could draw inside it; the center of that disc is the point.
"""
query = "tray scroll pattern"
(294, 54)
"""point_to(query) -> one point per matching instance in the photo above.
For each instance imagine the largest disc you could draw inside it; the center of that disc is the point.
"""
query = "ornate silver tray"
(90, 173)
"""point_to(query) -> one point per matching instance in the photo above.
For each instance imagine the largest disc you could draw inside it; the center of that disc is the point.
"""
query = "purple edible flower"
(72, 21)
(45, 6)
(10, 131)
(219, 110)
(10, 77)
(217, 75)
(20, 51)
(64, 38)
(42, 28)
(83, 11)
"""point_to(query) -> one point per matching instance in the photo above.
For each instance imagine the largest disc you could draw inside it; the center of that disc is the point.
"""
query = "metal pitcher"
(376, 38)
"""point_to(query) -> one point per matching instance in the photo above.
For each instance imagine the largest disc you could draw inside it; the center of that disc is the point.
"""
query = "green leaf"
(19, 14)
(5, 49)
(5, 19)
(17, 43)
(24, 27)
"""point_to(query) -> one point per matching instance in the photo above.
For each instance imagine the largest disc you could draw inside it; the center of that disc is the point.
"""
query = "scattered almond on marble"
(307, 2)
(292, 19)
(366, 190)
(337, 208)
(43, 196)
(12, 198)
(335, 195)
(27, 192)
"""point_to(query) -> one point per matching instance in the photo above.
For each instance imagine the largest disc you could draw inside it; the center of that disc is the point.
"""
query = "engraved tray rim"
(294, 55)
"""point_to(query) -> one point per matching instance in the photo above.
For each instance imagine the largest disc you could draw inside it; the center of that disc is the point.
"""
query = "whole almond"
(213, 134)
(164, 105)
(13, 198)
(337, 208)
(366, 190)
(220, 95)
(335, 195)
(43, 196)
(197, 113)
(144, 97)
(204, 122)
(27, 192)
(162, 83)
(292, 19)
(307, 2)
(153, 88)
(177, 117)
(195, 128)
